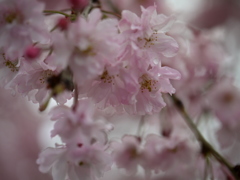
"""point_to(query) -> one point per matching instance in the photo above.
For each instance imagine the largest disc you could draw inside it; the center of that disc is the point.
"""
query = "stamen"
(148, 42)
(106, 78)
(147, 83)
(12, 65)
(81, 163)
(45, 75)
(11, 17)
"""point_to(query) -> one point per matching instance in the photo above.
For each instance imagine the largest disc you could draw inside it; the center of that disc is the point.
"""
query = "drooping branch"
(207, 149)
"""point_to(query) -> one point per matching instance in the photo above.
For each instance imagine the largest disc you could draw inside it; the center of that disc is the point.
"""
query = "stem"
(206, 147)
(45, 104)
(75, 103)
(54, 28)
(56, 12)
(112, 13)
(140, 126)
(113, 7)
(206, 169)
(87, 10)
(211, 170)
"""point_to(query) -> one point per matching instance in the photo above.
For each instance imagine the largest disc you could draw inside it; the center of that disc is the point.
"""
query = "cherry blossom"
(22, 23)
(165, 153)
(224, 95)
(127, 154)
(151, 86)
(95, 45)
(78, 127)
(147, 34)
(116, 86)
(88, 161)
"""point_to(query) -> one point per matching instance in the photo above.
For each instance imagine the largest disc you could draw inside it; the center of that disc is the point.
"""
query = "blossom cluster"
(111, 60)
(115, 63)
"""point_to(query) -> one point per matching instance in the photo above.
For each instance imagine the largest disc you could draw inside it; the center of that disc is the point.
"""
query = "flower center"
(147, 84)
(227, 98)
(148, 42)
(89, 51)
(106, 78)
(45, 75)
(133, 153)
(10, 14)
(12, 65)
(81, 163)
(11, 17)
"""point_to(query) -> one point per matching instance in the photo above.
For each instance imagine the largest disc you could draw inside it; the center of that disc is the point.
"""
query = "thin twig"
(206, 169)
(45, 104)
(112, 13)
(75, 102)
(56, 12)
(140, 126)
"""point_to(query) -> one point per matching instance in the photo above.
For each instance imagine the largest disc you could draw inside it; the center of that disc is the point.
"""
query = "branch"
(206, 147)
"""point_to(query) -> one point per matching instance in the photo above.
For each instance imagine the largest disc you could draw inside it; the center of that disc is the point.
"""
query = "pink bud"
(79, 4)
(32, 52)
(63, 23)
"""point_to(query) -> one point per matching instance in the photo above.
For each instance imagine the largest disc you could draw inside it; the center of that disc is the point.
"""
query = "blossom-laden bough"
(115, 61)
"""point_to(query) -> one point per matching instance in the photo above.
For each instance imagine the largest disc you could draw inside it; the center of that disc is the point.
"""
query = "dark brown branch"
(206, 147)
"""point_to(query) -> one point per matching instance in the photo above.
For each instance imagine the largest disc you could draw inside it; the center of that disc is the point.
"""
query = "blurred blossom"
(19, 147)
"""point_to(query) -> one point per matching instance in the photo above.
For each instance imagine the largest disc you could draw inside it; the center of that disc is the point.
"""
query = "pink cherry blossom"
(37, 82)
(20, 149)
(79, 126)
(132, 89)
(127, 154)
(147, 34)
(116, 86)
(95, 44)
(166, 154)
(152, 84)
(32, 81)
(224, 100)
(83, 155)
(88, 162)
(22, 23)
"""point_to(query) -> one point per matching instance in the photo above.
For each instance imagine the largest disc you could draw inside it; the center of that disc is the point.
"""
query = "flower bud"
(32, 52)
(63, 23)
